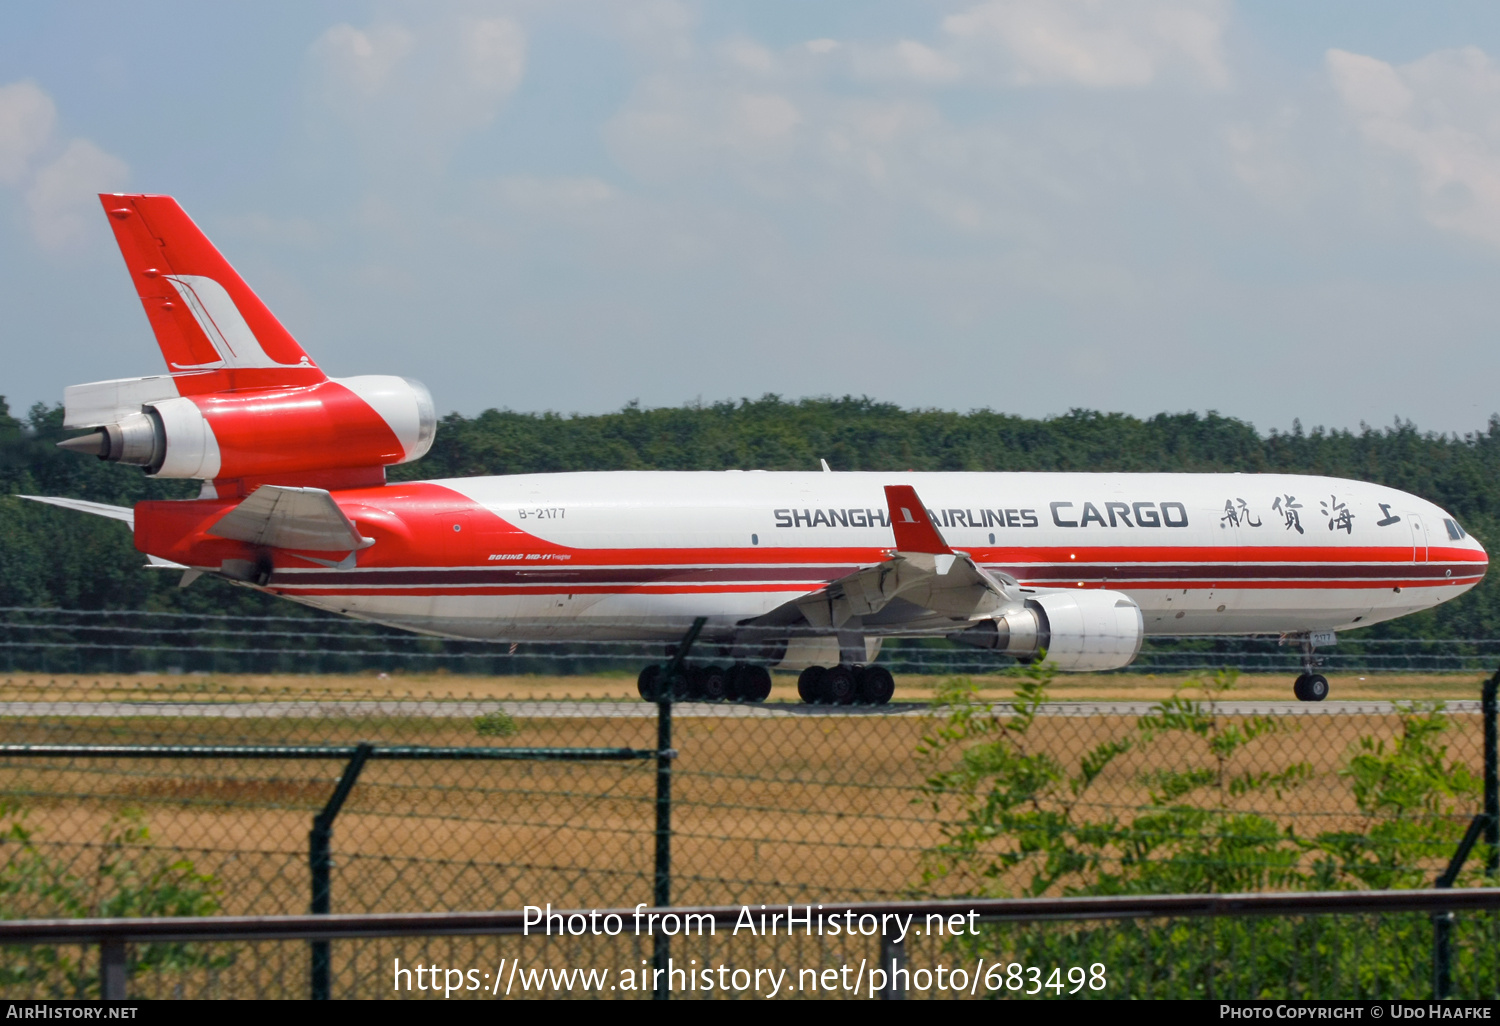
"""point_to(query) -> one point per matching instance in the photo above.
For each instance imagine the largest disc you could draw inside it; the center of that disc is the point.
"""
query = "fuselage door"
(1418, 537)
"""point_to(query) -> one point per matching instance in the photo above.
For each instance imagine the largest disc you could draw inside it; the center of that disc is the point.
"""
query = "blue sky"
(1279, 210)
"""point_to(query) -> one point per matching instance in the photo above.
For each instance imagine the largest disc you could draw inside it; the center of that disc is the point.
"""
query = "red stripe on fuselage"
(418, 553)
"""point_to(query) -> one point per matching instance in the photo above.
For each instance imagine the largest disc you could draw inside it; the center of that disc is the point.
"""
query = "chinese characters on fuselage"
(1285, 509)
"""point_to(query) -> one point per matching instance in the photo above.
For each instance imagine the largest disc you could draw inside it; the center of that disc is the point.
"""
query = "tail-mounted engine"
(1078, 630)
(336, 424)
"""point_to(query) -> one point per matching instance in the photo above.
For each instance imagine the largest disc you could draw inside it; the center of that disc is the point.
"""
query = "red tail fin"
(214, 331)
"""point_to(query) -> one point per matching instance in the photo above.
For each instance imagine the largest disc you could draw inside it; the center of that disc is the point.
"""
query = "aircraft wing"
(923, 583)
(291, 518)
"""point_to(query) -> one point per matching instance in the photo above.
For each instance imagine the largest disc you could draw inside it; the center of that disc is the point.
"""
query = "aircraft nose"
(1460, 539)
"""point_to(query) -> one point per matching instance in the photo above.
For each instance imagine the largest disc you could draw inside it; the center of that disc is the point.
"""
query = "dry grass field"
(909, 688)
(768, 809)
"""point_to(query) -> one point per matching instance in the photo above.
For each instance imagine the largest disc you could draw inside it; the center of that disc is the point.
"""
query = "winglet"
(915, 531)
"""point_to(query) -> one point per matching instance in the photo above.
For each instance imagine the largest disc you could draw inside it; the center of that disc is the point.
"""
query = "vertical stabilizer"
(214, 332)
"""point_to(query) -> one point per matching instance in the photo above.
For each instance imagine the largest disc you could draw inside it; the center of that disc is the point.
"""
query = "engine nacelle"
(337, 424)
(1078, 630)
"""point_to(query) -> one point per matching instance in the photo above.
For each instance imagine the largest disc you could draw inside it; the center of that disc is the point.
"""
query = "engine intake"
(1079, 631)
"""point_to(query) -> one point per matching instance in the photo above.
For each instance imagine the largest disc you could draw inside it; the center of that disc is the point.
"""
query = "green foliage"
(496, 724)
(126, 879)
(1021, 820)
(1025, 820)
(1015, 810)
(1414, 800)
(1289, 958)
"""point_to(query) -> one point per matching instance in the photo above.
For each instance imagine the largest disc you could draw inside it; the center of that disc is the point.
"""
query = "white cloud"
(409, 94)
(906, 60)
(672, 126)
(554, 195)
(1097, 43)
(1272, 158)
(27, 115)
(494, 56)
(1441, 113)
(659, 30)
(60, 181)
(749, 55)
(361, 62)
(62, 197)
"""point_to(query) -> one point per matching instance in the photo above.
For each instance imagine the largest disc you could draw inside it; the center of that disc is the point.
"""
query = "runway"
(631, 710)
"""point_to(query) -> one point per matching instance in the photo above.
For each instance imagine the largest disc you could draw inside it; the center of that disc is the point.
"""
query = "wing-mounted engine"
(1077, 630)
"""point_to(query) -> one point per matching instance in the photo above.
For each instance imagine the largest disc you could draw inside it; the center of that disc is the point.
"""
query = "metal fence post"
(661, 891)
(1490, 703)
(1488, 823)
(1442, 954)
(112, 974)
(893, 962)
(320, 860)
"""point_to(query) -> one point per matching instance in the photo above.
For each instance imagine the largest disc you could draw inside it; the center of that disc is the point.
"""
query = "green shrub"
(495, 724)
(127, 879)
(1019, 821)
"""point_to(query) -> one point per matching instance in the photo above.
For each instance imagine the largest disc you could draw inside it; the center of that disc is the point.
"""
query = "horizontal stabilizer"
(157, 563)
(108, 402)
(291, 518)
(99, 509)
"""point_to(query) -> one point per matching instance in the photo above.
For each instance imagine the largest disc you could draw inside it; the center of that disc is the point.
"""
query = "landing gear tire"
(712, 684)
(753, 684)
(839, 686)
(875, 685)
(1311, 687)
(810, 685)
(648, 682)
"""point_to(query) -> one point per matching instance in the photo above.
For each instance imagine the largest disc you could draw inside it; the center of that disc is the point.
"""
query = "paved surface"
(531, 709)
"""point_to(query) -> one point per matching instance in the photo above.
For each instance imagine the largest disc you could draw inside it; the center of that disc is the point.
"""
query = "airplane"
(805, 571)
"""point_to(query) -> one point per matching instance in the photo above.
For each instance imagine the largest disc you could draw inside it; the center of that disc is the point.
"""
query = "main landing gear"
(846, 685)
(740, 682)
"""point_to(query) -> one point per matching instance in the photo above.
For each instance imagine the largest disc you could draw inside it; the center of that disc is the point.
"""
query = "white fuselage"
(640, 554)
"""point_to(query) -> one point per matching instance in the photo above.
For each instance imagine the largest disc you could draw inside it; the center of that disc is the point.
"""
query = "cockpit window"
(1454, 531)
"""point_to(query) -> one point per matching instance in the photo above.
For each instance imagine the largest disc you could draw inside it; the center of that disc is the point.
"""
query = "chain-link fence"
(772, 803)
(1329, 945)
(47, 640)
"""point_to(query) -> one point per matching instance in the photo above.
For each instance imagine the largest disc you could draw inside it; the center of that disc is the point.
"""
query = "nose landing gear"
(1310, 686)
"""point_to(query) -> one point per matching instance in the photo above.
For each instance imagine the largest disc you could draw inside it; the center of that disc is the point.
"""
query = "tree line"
(55, 557)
